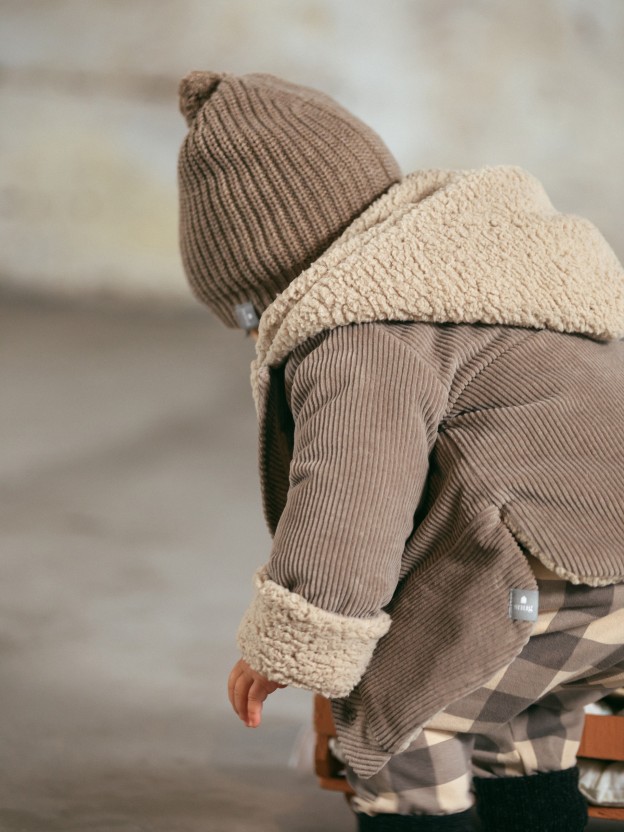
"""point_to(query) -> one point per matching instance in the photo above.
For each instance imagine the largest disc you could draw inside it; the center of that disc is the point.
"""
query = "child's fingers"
(247, 690)
(232, 679)
(241, 691)
(256, 696)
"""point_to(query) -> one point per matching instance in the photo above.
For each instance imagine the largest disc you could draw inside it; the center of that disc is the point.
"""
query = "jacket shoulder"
(447, 349)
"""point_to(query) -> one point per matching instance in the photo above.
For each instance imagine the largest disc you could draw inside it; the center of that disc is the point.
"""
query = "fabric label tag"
(246, 316)
(523, 604)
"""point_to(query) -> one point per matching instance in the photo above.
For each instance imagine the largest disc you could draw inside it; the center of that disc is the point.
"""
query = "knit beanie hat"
(270, 174)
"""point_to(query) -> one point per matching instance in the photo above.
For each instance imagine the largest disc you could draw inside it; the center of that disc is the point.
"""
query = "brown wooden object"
(603, 739)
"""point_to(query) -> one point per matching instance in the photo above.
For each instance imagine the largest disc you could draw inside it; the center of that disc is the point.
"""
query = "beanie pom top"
(194, 90)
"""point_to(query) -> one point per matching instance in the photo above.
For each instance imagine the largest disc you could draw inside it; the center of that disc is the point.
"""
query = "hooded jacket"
(439, 395)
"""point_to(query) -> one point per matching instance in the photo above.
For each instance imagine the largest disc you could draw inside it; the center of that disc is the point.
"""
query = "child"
(439, 381)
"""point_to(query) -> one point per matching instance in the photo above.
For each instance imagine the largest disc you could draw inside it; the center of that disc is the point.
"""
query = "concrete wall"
(90, 129)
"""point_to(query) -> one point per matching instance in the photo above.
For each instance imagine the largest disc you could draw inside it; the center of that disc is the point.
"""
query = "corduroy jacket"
(439, 395)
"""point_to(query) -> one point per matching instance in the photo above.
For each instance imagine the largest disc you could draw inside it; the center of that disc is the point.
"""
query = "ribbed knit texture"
(549, 802)
(270, 174)
(418, 823)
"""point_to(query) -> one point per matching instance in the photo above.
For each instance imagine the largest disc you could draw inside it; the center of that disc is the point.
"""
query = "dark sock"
(549, 802)
(416, 823)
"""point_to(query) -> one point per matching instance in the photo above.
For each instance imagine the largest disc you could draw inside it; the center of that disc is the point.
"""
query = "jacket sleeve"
(365, 409)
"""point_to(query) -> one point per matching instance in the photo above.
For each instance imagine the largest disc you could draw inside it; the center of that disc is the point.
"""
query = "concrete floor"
(131, 525)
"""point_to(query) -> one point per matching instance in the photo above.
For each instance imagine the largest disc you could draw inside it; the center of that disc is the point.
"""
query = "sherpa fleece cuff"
(291, 641)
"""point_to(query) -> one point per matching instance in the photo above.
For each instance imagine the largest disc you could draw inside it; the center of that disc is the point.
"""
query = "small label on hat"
(246, 316)
(523, 604)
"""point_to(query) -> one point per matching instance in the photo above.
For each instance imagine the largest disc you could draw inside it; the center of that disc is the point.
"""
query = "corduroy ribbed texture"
(454, 371)
(358, 469)
(270, 174)
(421, 454)
(370, 402)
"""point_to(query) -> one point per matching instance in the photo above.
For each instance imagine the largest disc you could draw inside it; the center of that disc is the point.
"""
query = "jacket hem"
(531, 548)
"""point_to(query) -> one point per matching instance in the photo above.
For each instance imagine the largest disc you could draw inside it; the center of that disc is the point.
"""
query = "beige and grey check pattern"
(528, 718)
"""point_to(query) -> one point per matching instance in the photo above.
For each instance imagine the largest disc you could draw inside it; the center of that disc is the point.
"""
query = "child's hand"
(247, 691)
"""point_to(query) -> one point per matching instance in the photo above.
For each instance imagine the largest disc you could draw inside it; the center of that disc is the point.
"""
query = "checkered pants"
(527, 718)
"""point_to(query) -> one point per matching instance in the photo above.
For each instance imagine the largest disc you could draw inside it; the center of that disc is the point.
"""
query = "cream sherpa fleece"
(295, 643)
(443, 246)
(467, 246)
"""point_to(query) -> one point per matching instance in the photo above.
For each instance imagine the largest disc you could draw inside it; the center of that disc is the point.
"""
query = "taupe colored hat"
(270, 174)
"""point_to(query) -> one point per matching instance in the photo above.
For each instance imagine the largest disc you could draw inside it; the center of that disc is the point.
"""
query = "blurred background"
(130, 518)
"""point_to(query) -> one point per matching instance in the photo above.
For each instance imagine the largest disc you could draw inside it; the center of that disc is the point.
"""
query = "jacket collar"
(459, 246)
